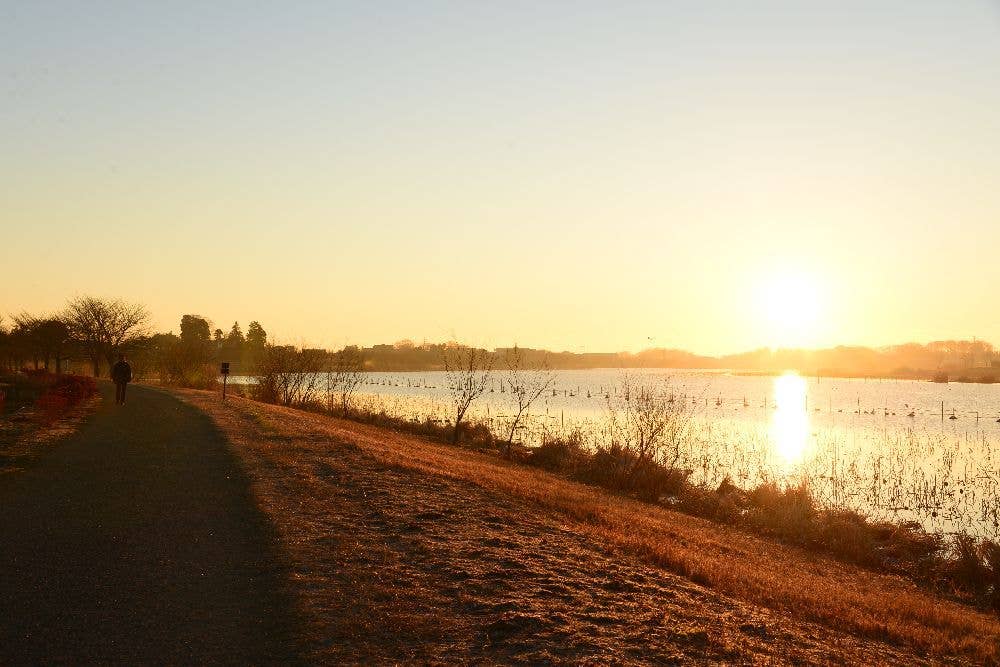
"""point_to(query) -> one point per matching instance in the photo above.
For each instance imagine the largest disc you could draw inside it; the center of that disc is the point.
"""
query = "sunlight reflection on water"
(790, 422)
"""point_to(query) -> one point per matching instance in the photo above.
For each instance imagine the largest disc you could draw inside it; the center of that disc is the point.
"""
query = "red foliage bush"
(62, 392)
(50, 406)
(74, 388)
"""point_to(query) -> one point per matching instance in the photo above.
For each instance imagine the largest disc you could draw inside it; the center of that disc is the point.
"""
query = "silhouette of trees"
(5, 344)
(256, 336)
(186, 360)
(195, 330)
(467, 371)
(54, 341)
(102, 327)
(25, 337)
(256, 341)
(158, 354)
(525, 387)
(233, 345)
(13, 346)
(20, 344)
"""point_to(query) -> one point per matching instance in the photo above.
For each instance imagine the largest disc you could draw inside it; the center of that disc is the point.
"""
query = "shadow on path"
(136, 540)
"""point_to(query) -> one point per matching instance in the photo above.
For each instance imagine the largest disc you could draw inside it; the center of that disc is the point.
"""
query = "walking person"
(121, 375)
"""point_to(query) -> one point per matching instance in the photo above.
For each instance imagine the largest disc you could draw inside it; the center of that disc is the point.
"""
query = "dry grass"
(842, 607)
(26, 434)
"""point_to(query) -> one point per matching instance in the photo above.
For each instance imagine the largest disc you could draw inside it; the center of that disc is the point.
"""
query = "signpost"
(224, 369)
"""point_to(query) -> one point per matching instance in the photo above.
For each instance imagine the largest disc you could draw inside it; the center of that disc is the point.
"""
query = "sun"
(788, 307)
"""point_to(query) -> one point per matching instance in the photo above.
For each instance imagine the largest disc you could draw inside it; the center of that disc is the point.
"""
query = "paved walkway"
(136, 540)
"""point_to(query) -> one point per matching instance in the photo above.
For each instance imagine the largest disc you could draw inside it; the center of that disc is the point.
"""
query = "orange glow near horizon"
(613, 178)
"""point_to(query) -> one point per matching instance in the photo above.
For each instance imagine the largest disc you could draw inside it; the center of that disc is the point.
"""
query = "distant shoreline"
(967, 376)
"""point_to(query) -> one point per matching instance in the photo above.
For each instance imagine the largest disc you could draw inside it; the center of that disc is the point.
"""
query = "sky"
(713, 176)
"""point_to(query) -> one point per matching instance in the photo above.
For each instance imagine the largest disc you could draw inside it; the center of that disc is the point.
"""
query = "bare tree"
(467, 371)
(647, 423)
(289, 376)
(525, 387)
(345, 375)
(102, 327)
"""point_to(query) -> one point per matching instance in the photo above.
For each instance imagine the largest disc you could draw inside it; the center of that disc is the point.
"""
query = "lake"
(899, 450)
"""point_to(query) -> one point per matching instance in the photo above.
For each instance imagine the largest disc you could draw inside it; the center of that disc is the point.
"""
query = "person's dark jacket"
(121, 372)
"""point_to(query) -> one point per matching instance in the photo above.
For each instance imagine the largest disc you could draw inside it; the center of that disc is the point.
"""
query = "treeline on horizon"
(89, 333)
(908, 360)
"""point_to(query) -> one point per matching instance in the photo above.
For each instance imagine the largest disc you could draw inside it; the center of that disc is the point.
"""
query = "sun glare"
(788, 306)
(790, 423)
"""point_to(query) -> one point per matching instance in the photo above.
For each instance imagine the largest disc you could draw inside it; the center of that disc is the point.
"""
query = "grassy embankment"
(959, 567)
(794, 584)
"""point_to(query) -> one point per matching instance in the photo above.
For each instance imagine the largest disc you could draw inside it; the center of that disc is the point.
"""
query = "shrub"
(27, 386)
(560, 454)
(848, 535)
(606, 467)
(906, 545)
(726, 504)
(967, 569)
(787, 512)
(618, 468)
(61, 393)
(651, 481)
(991, 554)
(34, 382)
(476, 435)
(51, 406)
(74, 388)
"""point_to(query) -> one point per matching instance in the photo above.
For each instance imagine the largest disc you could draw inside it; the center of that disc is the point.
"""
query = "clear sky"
(575, 175)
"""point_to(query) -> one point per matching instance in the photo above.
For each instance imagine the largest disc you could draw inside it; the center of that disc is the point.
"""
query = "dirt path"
(136, 540)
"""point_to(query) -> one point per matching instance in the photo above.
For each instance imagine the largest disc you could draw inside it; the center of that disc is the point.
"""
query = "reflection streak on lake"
(790, 423)
(853, 441)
